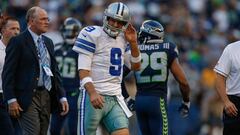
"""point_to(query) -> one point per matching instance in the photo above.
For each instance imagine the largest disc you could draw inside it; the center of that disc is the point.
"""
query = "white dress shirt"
(35, 38)
(2, 59)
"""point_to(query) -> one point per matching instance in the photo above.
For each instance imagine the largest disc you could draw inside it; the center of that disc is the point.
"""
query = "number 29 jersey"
(156, 62)
(103, 56)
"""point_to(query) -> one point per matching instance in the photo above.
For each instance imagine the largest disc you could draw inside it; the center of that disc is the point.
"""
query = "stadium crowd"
(200, 28)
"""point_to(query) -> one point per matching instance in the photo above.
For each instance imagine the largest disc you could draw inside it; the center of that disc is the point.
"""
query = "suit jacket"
(21, 71)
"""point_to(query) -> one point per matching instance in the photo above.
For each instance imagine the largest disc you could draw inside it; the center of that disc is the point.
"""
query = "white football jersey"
(104, 57)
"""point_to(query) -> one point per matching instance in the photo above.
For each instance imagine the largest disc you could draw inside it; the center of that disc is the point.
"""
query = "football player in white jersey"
(102, 52)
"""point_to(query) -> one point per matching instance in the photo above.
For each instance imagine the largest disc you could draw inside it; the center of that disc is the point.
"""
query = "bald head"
(37, 19)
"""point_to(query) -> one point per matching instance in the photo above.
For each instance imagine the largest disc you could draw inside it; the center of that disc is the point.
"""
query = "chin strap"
(110, 32)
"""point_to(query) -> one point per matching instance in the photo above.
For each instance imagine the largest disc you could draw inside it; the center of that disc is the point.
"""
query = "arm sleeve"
(84, 61)
(224, 63)
(13, 52)
(85, 47)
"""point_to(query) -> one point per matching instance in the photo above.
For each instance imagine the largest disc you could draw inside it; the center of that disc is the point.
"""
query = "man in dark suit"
(9, 27)
(31, 81)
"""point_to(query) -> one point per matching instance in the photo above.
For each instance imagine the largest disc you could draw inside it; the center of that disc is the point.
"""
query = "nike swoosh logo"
(84, 35)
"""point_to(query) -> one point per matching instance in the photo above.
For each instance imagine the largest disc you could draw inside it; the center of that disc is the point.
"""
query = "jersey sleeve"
(173, 53)
(85, 42)
(224, 63)
(85, 46)
(84, 61)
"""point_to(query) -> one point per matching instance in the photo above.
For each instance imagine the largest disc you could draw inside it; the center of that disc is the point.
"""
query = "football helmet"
(70, 29)
(151, 32)
(117, 11)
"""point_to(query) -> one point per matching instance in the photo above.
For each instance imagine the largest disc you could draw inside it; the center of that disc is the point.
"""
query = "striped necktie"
(44, 61)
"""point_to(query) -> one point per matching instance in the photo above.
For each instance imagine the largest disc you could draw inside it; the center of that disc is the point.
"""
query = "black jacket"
(21, 71)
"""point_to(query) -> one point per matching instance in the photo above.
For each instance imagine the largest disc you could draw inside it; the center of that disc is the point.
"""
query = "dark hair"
(5, 19)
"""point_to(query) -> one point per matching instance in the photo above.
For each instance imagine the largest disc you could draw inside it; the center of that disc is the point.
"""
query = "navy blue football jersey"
(156, 61)
(67, 60)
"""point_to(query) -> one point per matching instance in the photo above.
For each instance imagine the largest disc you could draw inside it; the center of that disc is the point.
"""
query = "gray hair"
(31, 12)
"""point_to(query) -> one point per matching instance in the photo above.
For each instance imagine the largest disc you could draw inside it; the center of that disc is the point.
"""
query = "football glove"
(130, 103)
(184, 109)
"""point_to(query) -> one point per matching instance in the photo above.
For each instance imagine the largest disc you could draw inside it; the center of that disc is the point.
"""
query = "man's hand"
(130, 103)
(14, 109)
(230, 109)
(65, 108)
(184, 109)
(96, 100)
(131, 34)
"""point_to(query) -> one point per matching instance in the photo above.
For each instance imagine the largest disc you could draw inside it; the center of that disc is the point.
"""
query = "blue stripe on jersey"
(86, 43)
(81, 114)
(79, 45)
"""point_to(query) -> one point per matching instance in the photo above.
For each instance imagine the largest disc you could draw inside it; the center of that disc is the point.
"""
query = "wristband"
(136, 59)
(186, 103)
(85, 80)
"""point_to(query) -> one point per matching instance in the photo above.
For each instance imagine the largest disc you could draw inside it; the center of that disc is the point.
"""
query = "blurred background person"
(67, 60)
(9, 27)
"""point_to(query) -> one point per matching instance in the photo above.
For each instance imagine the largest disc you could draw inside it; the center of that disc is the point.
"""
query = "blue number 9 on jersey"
(89, 28)
(116, 61)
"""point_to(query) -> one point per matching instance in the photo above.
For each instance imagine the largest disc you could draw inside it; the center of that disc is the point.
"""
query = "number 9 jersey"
(103, 56)
(156, 62)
